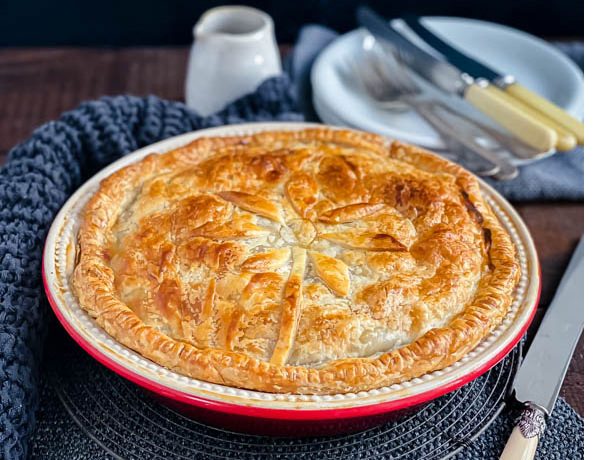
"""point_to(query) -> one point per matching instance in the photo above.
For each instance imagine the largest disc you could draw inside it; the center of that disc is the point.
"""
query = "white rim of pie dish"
(58, 261)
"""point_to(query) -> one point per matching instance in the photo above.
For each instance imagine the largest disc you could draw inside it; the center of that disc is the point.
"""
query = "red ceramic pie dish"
(265, 413)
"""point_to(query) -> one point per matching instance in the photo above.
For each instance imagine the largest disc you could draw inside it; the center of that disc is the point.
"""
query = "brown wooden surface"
(36, 85)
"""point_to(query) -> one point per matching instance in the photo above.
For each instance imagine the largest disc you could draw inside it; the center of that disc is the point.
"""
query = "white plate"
(59, 257)
(535, 63)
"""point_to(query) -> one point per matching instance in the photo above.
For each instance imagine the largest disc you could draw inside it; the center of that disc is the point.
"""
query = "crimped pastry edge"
(438, 348)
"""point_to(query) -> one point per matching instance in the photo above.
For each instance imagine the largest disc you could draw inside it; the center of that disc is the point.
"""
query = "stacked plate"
(339, 100)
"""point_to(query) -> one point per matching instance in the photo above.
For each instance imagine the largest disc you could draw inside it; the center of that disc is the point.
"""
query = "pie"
(315, 261)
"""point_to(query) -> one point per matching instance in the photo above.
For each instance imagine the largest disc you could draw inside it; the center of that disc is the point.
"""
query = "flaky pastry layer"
(315, 261)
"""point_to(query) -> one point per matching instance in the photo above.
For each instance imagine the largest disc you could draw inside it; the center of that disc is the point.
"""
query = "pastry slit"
(292, 301)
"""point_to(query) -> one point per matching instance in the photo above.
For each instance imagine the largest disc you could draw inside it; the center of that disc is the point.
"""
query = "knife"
(450, 79)
(569, 129)
(540, 377)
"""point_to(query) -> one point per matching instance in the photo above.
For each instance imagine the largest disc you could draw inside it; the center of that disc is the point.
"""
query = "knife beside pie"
(540, 377)
(568, 128)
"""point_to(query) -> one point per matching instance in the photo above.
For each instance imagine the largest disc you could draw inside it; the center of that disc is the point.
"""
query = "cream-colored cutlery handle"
(524, 438)
(566, 140)
(519, 447)
(521, 125)
(546, 107)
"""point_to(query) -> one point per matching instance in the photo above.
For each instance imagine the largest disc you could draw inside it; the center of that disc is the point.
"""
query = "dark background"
(163, 22)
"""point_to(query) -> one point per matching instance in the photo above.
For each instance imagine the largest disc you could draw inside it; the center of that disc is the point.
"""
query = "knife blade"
(541, 375)
(452, 55)
(450, 79)
(570, 130)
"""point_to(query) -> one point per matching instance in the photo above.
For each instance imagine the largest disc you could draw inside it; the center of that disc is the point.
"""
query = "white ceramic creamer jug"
(234, 51)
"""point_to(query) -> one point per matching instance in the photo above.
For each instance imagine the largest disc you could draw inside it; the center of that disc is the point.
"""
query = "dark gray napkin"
(559, 177)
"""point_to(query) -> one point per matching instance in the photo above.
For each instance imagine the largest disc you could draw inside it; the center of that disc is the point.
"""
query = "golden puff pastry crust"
(315, 261)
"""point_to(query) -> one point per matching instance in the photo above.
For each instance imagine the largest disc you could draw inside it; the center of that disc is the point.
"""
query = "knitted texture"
(39, 176)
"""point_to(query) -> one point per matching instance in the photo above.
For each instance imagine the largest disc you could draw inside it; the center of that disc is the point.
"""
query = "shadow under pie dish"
(296, 260)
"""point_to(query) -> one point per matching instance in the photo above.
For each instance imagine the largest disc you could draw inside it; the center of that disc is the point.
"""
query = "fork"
(391, 86)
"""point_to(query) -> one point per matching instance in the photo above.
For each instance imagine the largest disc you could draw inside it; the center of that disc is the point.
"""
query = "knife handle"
(524, 438)
(546, 107)
(565, 141)
(522, 125)
(519, 447)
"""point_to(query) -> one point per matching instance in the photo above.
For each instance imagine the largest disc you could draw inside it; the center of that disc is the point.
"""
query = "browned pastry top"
(313, 261)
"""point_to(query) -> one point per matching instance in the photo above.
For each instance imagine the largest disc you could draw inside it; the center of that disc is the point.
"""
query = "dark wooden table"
(36, 85)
